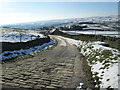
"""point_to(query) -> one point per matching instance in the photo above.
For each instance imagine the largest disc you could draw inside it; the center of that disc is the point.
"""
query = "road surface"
(59, 67)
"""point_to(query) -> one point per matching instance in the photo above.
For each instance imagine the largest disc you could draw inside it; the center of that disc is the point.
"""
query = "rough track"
(60, 67)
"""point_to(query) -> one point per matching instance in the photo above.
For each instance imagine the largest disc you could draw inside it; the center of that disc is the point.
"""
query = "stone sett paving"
(38, 73)
(60, 67)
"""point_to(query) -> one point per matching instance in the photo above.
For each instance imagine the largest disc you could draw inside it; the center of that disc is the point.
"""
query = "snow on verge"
(12, 54)
(103, 61)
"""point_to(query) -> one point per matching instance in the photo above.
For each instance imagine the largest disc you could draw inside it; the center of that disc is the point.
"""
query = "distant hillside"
(42, 25)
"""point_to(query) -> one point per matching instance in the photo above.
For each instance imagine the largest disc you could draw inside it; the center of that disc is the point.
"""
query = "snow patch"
(93, 32)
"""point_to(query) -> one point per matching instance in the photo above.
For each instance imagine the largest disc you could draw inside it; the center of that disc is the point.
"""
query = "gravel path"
(60, 67)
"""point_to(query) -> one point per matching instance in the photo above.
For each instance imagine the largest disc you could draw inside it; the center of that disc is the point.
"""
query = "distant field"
(14, 35)
(94, 32)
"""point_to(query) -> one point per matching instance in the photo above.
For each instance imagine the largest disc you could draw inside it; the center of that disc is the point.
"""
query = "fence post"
(31, 37)
(20, 37)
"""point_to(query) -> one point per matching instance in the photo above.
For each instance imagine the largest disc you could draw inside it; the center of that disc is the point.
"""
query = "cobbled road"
(59, 67)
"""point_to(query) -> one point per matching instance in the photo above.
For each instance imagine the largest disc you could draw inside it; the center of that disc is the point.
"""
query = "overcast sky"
(17, 12)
